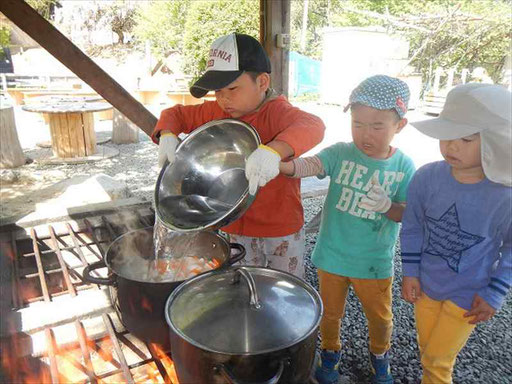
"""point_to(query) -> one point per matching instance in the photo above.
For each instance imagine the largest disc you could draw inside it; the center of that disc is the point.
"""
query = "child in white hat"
(456, 233)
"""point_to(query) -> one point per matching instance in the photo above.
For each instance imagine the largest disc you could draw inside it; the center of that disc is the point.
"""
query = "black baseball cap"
(229, 57)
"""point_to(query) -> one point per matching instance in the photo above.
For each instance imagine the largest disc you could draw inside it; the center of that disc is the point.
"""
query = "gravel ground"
(24, 187)
(486, 358)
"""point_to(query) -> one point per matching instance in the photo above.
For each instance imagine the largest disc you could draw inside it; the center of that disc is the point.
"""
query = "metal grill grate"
(48, 333)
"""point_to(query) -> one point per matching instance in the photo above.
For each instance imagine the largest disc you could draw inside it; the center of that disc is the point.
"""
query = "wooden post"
(123, 130)
(34, 25)
(437, 79)
(275, 22)
(11, 154)
(449, 81)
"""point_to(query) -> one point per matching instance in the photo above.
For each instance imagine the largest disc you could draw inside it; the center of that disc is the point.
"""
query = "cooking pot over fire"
(244, 324)
(138, 289)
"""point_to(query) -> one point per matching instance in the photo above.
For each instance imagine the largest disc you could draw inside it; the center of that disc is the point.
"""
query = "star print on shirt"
(446, 238)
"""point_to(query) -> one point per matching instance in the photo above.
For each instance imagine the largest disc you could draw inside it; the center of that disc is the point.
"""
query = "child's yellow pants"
(442, 332)
(375, 297)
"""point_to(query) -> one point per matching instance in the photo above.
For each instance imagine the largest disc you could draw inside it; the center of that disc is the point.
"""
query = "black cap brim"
(213, 80)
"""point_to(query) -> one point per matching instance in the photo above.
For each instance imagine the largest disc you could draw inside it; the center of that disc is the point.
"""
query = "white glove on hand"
(261, 167)
(376, 199)
(167, 148)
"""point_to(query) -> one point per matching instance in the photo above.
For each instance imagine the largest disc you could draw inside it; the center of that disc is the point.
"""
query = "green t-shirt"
(354, 242)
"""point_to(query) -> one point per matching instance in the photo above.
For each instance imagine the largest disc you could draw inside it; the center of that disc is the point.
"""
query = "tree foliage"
(44, 7)
(118, 16)
(120, 19)
(208, 20)
(5, 36)
(445, 33)
(190, 26)
(162, 23)
(318, 17)
(448, 33)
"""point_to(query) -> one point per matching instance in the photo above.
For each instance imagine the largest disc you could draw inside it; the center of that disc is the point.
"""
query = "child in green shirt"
(359, 227)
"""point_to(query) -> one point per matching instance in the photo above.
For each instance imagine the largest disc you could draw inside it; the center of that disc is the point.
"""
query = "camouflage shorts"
(285, 253)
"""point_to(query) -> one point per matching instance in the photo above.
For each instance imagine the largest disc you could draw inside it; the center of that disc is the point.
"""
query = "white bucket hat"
(478, 108)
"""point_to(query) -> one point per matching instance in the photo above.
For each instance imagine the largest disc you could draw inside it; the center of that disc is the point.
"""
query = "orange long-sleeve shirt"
(277, 208)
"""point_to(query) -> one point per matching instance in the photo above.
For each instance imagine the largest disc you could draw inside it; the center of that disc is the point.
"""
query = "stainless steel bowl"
(205, 187)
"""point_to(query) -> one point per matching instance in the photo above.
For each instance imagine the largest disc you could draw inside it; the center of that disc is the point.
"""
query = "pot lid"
(245, 310)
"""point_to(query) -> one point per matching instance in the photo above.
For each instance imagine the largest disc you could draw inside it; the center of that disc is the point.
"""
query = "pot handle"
(226, 373)
(86, 274)
(237, 256)
(243, 272)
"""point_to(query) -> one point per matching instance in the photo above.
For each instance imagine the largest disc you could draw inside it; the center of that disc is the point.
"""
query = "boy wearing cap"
(456, 233)
(359, 226)
(238, 71)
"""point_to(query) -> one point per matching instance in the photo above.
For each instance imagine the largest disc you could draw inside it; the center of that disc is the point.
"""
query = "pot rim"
(216, 224)
(110, 267)
(205, 275)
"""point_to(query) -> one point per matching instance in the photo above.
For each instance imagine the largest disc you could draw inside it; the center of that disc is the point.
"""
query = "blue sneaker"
(327, 370)
(381, 370)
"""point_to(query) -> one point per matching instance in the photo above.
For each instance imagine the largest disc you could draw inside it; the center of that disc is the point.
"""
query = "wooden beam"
(275, 22)
(39, 29)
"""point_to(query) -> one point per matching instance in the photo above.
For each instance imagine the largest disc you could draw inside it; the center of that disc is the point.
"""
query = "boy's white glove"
(167, 148)
(261, 167)
(376, 199)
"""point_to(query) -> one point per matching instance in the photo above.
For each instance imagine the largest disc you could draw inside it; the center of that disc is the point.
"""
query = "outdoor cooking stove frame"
(90, 237)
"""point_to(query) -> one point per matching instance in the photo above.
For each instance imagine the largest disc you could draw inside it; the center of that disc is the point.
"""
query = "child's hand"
(376, 199)
(262, 166)
(481, 310)
(167, 148)
(411, 289)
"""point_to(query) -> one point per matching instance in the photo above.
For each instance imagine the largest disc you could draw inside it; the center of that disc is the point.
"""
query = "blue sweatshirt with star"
(457, 238)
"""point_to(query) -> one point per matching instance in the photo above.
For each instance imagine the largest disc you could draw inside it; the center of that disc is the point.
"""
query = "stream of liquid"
(179, 256)
(176, 254)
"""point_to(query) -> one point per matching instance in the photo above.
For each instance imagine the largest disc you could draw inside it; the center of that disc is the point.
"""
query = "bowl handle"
(86, 274)
(237, 256)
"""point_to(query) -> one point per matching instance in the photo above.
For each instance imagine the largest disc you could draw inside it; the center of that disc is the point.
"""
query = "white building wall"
(352, 54)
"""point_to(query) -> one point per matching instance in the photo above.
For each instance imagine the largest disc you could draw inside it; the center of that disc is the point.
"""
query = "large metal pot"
(205, 187)
(140, 299)
(244, 325)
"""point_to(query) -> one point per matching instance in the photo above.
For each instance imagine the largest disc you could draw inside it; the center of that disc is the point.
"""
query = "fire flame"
(166, 362)
(81, 360)
(21, 370)
(73, 368)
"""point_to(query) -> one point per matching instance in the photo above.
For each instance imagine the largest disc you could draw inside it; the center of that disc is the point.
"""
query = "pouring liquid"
(175, 257)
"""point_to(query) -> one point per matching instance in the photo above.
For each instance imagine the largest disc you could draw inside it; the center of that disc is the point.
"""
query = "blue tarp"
(304, 74)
